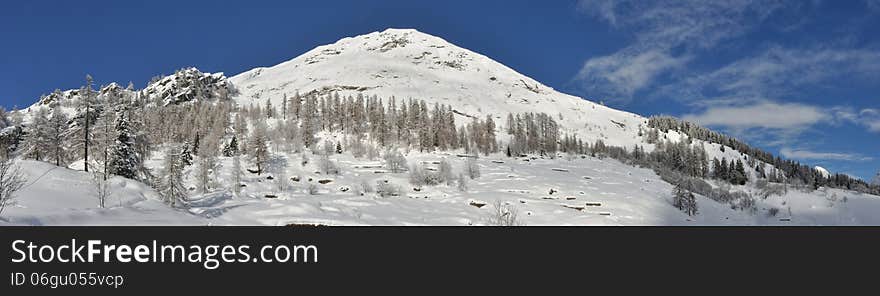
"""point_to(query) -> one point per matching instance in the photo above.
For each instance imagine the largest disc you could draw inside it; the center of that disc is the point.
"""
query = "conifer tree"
(124, 160)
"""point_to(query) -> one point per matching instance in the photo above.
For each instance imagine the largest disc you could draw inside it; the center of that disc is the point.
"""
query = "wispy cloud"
(869, 118)
(778, 72)
(812, 155)
(626, 72)
(766, 115)
(665, 34)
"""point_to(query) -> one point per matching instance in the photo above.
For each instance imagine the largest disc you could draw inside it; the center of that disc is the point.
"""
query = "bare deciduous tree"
(11, 181)
(101, 185)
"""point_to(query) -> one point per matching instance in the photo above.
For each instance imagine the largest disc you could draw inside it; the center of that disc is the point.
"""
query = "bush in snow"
(101, 184)
(445, 172)
(357, 148)
(746, 203)
(462, 183)
(364, 188)
(419, 176)
(395, 161)
(236, 175)
(327, 166)
(472, 168)
(766, 189)
(386, 189)
(11, 180)
(329, 148)
(312, 189)
(503, 215)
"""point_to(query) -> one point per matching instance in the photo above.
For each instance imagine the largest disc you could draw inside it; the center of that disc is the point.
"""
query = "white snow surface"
(590, 191)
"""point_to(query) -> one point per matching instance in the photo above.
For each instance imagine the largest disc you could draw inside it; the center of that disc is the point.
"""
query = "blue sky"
(799, 78)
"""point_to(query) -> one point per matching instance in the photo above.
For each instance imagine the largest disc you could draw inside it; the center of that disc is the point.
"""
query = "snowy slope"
(588, 191)
(406, 63)
(60, 196)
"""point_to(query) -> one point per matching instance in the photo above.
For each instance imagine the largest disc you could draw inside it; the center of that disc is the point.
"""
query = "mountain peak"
(407, 63)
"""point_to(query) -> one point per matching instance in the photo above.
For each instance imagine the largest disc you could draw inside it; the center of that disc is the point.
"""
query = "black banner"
(338, 259)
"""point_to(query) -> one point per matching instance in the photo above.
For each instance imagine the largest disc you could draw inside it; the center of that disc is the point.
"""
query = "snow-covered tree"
(231, 148)
(327, 166)
(4, 118)
(684, 200)
(472, 169)
(445, 172)
(36, 142)
(171, 187)
(503, 215)
(56, 130)
(186, 155)
(259, 149)
(101, 185)
(104, 138)
(395, 161)
(205, 174)
(124, 159)
(80, 132)
(462, 183)
(236, 175)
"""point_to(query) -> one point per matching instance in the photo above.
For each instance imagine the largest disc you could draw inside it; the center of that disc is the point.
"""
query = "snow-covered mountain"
(188, 84)
(184, 85)
(822, 171)
(406, 63)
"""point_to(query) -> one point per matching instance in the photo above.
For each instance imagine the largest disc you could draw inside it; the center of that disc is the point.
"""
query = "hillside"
(406, 63)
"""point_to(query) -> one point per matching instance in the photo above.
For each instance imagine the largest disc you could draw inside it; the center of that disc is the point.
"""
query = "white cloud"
(870, 118)
(778, 72)
(624, 73)
(764, 115)
(812, 155)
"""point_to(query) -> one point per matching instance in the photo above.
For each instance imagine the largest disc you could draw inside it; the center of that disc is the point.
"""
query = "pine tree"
(309, 121)
(491, 145)
(741, 176)
(684, 200)
(231, 148)
(284, 107)
(259, 147)
(124, 159)
(185, 154)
